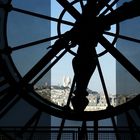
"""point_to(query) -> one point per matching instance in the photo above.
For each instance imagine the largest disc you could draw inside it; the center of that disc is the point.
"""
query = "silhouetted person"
(127, 11)
(85, 62)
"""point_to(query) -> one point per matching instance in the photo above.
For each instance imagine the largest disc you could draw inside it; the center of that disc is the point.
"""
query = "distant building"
(59, 95)
(66, 81)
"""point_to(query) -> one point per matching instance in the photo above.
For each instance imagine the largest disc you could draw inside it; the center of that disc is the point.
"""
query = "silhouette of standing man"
(85, 62)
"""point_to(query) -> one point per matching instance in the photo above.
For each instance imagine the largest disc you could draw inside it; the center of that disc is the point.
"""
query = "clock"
(25, 59)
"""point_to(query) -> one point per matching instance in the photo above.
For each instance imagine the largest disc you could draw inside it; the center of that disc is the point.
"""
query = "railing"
(69, 133)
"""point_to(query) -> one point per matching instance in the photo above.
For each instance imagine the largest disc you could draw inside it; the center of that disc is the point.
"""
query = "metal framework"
(69, 133)
(14, 87)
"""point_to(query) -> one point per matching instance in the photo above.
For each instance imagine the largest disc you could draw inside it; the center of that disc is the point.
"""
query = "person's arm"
(127, 11)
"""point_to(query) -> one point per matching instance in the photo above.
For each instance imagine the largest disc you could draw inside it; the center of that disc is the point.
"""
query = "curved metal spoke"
(42, 16)
(83, 134)
(132, 124)
(82, 4)
(33, 121)
(96, 131)
(56, 48)
(120, 58)
(110, 6)
(61, 129)
(123, 37)
(101, 4)
(103, 84)
(49, 67)
(8, 103)
(69, 8)
(67, 106)
(115, 128)
(35, 43)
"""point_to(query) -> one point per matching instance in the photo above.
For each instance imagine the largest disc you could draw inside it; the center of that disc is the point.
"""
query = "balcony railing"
(69, 133)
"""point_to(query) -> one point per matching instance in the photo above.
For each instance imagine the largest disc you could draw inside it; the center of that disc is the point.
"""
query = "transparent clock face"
(36, 73)
(32, 31)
